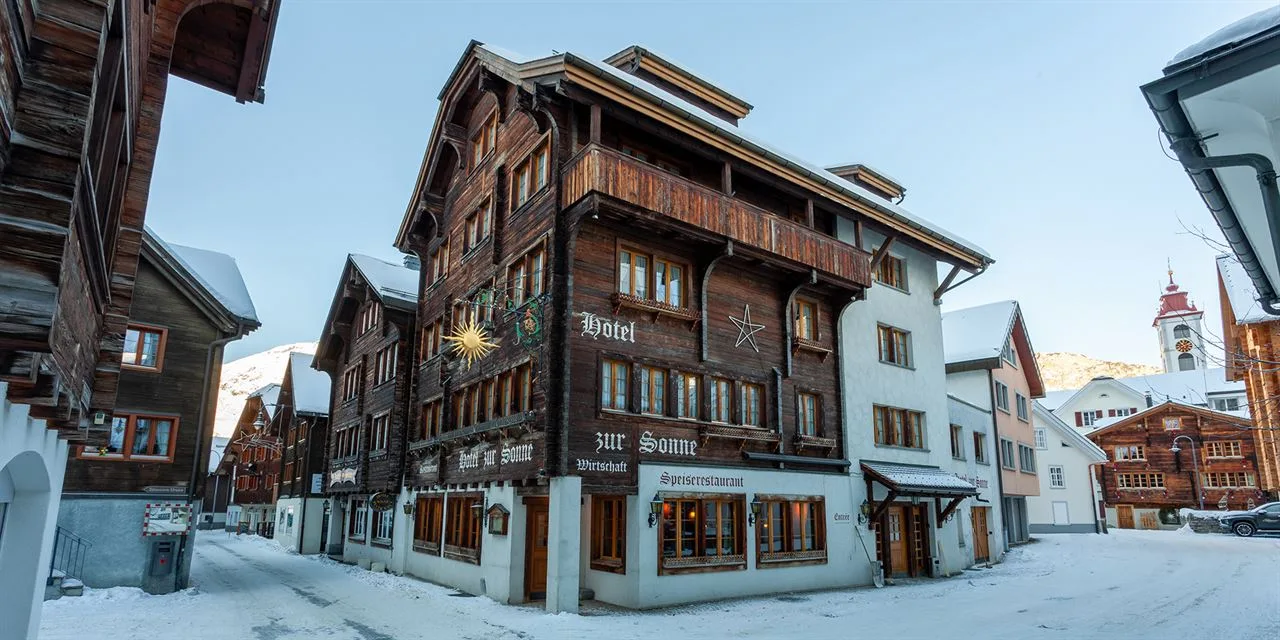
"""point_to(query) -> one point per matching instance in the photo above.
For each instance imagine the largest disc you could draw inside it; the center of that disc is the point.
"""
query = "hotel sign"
(595, 327)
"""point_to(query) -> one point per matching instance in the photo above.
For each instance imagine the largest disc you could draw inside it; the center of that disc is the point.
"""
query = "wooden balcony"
(710, 212)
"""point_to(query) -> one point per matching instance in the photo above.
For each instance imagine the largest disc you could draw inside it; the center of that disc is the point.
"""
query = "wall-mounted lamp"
(655, 510)
(477, 510)
(864, 512)
(408, 508)
(755, 511)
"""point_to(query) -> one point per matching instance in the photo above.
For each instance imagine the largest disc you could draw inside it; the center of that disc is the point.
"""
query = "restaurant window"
(791, 531)
(649, 277)
(895, 346)
(892, 272)
(704, 532)
(899, 427)
(653, 385)
(381, 432)
(137, 437)
(1129, 453)
(807, 420)
(687, 395)
(359, 519)
(428, 518)
(806, 319)
(751, 403)
(143, 348)
(484, 140)
(384, 363)
(383, 521)
(370, 317)
(462, 537)
(609, 533)
(1222, 449)
(351, 383)
(721, 397)
(614, 381)
(980, 448)
(957, 442)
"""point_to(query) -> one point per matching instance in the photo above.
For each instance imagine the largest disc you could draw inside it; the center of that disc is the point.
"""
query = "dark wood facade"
(363, 456)
(253, 454)
(1250, 348)
(1142, 471)
(82, 91)
(306, 437)
(166, 411)
(748, 232)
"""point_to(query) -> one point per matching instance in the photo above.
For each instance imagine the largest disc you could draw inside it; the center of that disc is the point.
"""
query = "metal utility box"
(162, 557)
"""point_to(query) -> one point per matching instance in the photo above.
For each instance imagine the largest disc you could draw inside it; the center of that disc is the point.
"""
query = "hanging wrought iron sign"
(382, 501)
(529, 323)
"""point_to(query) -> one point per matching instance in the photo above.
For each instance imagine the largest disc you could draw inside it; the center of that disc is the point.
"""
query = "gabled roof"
(269, 396)
(1166, 407)
(212, 279)
(1241, 296)
(974, 338)
(1190, 387)
(1068, 433)
(310, 388)
(598, 76)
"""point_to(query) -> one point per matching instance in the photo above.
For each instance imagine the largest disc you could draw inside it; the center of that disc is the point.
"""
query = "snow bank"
(1208, 515)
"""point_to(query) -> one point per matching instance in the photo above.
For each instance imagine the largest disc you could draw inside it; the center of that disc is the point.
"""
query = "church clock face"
(1183, 346)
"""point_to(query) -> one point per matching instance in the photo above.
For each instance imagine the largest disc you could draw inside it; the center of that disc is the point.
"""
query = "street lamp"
(1195, 465)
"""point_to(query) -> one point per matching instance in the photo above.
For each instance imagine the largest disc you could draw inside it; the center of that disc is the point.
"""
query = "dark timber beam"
(595, 123)
(726, 178)
(946, 283)
(942, 513)
(702, 294)
(808, 212)
(880, 253)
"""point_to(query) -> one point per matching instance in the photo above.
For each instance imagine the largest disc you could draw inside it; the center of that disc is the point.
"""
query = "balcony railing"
(613, 174)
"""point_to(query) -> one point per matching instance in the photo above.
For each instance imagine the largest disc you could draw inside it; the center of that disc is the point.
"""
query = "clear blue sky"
(1018, 126)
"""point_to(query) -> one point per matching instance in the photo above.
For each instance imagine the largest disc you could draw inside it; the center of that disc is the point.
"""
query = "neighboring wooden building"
(82, 95)
(1145, 482)
(665, 296)
(188, 304)
(366, 347)
(253, 457)
(1251, 340)
(302, 521)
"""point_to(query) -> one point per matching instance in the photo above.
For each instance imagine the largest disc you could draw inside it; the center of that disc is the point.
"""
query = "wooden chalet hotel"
(627, 371)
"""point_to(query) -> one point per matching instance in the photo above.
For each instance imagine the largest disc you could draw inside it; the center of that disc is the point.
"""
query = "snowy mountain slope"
(248, 374)
(1073, 370)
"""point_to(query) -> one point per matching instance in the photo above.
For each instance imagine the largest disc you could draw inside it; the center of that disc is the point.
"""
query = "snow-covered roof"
(1232, 34)
(914, 478)
(217, 273)
(389, 280)
(1067, 433)
(270, 396)
(977, 333)
(1241, 295)
(1194, 387)
(1054, 399)
(310, 387)
(733, 133)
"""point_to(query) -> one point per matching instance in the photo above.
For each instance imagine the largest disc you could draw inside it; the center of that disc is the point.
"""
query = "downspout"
(1099, 526)
(999, 463)
(202, 446)
(563, 316)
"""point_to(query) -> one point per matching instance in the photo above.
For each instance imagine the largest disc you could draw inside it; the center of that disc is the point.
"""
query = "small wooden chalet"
(304, 423)
(365, 347)
(1247, 331)
(253, 456)
(188, 305)
(1175, 455)
(628, 331)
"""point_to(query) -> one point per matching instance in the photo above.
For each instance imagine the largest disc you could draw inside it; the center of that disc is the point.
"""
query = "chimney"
(1149, 402)
(412, 262)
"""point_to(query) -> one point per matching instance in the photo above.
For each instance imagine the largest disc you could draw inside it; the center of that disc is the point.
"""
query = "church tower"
(1178, 326)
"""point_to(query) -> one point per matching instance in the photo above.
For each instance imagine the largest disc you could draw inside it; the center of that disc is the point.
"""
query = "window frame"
(351, 382)
(899, 432)
(128, 440)
(1002, 396)
(484, 140)
(1129, 453)
(358, 525)
(463, 536)
(790, 510)
(1233, 449)
(809, 418)
(898, 343)
(687, 405)
(380, 433)
(895, 265)
(428, 522)
(1042, 438)
(382, 520)
(980, 448)
(1057, 477)
(652, 391)
(751, 391)
(1140, 480)
(144, 330)
(612, 384)
(957, 442)
(806, 328)
(609, 552)
(697, 563)
(720, 400)
(649, 282)
(1026, 458)
(385, 361)
(1022, 406)
(1010, 461)
(477, 228)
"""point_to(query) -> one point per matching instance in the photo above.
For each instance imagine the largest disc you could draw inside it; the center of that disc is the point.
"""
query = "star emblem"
(747, 329)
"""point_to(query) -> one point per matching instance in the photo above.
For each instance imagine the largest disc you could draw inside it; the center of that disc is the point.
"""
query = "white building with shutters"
(1105, 400)
(1068, 492)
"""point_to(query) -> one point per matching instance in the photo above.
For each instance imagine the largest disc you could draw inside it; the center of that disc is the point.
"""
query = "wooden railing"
(613, 174)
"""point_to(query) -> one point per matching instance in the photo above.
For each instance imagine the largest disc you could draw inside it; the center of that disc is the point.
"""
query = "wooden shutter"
(1098, 413)
(1079, 419)
(1111, 413)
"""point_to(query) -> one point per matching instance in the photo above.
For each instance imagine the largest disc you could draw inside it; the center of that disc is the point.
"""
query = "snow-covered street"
(1129, 584)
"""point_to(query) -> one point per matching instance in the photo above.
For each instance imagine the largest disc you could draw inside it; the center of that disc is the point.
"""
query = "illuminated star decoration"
(471, 342)
(747, 329)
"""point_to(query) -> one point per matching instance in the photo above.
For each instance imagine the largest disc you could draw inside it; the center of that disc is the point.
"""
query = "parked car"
(1247, 523)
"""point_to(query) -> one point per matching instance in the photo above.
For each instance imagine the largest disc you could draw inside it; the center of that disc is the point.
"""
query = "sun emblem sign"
(471, 342)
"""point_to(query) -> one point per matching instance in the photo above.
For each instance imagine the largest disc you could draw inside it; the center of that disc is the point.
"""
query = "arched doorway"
(25, 523)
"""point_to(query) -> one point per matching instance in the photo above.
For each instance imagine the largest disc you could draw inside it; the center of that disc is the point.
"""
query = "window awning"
(917, 480)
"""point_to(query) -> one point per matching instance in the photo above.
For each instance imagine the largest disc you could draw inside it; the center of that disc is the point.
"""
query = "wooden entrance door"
(897, 534)
(535, 545)
(981, 535)
(1124, 516)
